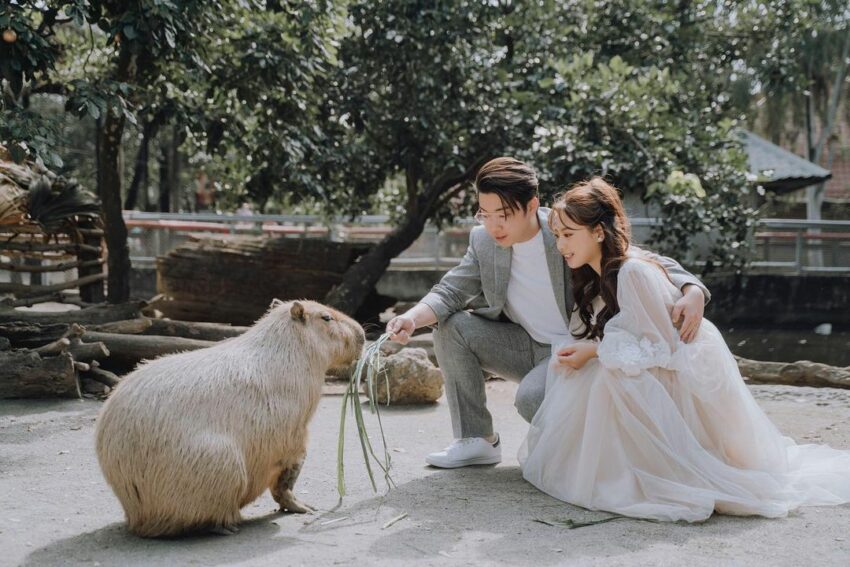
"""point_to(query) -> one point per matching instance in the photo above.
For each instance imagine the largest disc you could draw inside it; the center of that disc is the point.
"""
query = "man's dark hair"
(513, 181)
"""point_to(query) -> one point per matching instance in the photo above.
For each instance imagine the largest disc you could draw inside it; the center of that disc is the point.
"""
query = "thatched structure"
(48, 225)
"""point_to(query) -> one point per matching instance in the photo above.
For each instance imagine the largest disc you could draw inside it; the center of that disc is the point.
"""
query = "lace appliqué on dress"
(622, 351)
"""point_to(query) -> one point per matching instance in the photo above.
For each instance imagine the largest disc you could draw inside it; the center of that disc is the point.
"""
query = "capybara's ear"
(275, 303)
(297, 311)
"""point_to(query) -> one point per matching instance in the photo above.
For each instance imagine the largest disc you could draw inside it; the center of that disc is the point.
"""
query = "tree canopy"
(350, 107)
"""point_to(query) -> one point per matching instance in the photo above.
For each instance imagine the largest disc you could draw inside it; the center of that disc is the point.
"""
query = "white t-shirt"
(531, 299)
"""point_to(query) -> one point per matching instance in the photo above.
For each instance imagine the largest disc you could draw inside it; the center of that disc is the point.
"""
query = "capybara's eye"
(327, 317)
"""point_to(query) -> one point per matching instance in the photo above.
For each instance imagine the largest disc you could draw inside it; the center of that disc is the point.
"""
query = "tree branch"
(446, 181)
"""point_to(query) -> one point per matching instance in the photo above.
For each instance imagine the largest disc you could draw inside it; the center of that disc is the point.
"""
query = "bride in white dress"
(639, 423)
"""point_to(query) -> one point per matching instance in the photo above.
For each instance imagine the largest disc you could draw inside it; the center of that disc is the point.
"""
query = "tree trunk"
(25, 374)
(360, 279)
(141, 172)
(174, 170)
(815, 194)
(169, 172)
(109, 190)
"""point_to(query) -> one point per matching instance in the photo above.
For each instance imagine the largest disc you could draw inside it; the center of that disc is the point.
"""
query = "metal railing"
(803, 246)
(780, 245)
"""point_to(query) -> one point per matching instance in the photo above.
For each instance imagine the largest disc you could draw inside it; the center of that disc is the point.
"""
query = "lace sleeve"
(623, 351)
(641, 335)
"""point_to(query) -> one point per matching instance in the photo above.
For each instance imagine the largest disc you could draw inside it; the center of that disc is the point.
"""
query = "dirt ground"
(57, 509)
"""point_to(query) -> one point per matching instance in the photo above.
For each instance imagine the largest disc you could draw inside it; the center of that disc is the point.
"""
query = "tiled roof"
(778, 169)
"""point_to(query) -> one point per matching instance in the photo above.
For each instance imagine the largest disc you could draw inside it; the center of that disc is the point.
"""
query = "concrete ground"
(57, 509)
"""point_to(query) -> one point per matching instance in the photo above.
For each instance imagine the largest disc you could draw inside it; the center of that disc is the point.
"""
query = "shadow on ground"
(114, 545)
(490, 514)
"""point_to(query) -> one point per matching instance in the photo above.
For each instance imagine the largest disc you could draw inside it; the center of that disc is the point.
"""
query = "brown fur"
(187, 440)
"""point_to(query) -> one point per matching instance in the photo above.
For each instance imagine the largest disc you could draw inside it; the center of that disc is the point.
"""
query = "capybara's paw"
(225, 529)
(291, 505)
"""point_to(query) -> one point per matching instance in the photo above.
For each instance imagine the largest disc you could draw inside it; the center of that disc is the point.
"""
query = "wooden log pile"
(84, 352)
(232, 279)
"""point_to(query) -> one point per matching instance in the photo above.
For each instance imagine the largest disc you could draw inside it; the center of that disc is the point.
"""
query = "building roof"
(777, 169)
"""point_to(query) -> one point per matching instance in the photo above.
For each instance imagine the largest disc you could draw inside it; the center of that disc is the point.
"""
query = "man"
(501, 307)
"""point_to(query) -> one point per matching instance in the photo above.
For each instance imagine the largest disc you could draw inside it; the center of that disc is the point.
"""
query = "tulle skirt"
(676, 443)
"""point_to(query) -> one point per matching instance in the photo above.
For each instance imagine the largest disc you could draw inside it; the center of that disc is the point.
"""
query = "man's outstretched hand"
(401, 329)
(688, 312)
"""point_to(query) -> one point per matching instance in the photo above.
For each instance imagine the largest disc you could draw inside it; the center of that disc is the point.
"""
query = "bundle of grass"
(53, 205)
(368, 368)
(12, 202)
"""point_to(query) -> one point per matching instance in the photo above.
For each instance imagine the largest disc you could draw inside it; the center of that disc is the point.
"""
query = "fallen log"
(23, 334)
(25, 374)
(192, 330)
(128, 327)
(800, 373)
(94, 315)
(128, 350)
(70, 340)
(105, 377)
(32, 300)
(56, 347)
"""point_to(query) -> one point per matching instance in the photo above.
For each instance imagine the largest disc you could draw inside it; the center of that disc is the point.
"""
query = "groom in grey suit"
(500, 309)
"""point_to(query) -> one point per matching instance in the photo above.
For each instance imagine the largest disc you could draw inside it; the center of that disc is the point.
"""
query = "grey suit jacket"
(480, 281)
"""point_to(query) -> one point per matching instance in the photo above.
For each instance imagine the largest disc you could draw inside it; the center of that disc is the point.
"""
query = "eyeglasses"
(492, 218)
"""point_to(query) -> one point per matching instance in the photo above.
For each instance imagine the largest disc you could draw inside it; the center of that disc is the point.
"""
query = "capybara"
(187, 440)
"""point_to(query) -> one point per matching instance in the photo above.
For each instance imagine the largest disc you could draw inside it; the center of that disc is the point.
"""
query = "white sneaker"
(467, 451)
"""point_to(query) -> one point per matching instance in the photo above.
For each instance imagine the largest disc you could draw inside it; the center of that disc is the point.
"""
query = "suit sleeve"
(458, 287)
(678, 275)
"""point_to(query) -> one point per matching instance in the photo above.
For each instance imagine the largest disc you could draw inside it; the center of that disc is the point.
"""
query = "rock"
(94, 387)
(412, 377)
(423, 341)
(824, 329)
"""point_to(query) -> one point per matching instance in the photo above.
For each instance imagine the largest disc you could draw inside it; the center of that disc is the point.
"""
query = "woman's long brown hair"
(590, 204)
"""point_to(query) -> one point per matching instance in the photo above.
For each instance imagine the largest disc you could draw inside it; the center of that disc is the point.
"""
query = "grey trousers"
(465, 345)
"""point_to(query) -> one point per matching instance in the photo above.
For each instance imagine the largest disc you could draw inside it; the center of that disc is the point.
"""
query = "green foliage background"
(345, 107)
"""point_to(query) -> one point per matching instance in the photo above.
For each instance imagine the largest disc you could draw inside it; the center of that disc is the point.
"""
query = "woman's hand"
(576, 355)
(688, 312)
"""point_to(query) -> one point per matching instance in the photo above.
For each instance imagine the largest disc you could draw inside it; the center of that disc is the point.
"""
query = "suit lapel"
(557, 269)
(502, 267)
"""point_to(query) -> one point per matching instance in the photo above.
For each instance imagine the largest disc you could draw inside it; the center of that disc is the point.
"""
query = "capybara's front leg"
(282, 490)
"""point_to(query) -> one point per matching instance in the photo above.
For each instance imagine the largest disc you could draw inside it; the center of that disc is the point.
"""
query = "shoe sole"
(466, 463)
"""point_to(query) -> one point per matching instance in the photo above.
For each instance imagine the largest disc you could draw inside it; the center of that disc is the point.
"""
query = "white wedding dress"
(656, 428)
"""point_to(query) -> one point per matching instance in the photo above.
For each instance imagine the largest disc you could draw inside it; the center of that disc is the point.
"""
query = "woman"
(637, 422)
